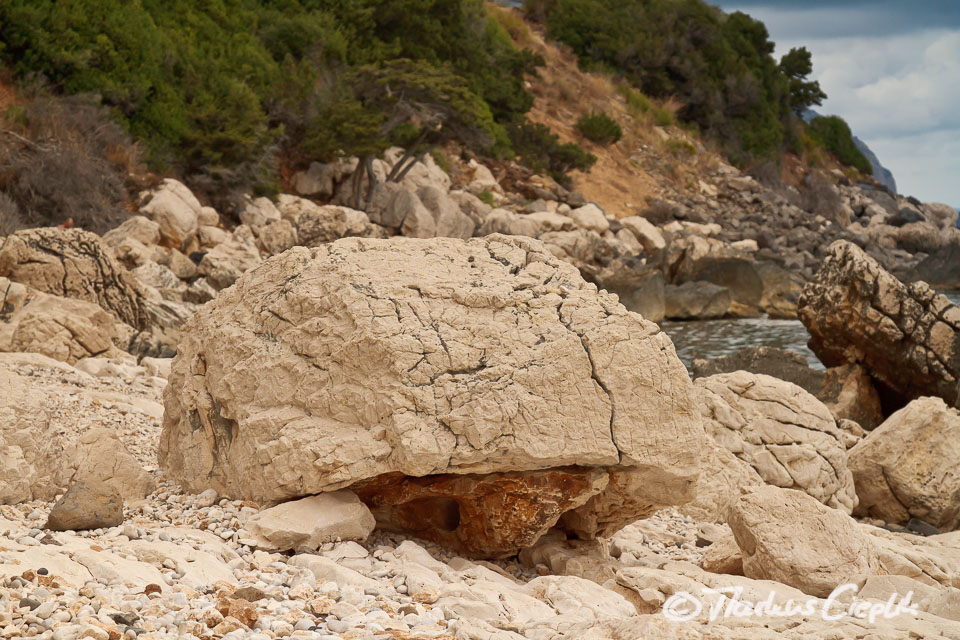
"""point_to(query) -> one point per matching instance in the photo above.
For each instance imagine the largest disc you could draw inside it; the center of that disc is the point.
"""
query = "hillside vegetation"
(234, 94)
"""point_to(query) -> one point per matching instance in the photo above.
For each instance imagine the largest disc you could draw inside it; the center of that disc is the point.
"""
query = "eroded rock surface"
(905, 336)
(72, 263)
(783, 432)
(329, 366)
(907, 467)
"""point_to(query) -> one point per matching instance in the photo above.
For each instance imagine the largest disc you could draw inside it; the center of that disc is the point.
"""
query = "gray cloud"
(892, 70)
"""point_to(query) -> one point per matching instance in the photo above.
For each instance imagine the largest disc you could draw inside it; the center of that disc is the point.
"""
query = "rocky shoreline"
(443, 419)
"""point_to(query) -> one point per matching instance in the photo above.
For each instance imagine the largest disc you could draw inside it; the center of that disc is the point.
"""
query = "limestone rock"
(227, 261)
(139, 228)
(72, 263)
(590, 217)
(450, 221)
(777, 363)
(696, 301)
(787, 536)
(175, 209)
(322, 179)
(783, 432)
(31, 453)
(61, 328)
(278, 236)
(258, 213)
(723, 556)
(310, 522)
(509, 223)
(102, 459)
(907, 467)
(639, 290)
(361, 358)
(850, 395)
(320, 224)
(645, 232)
(86, 506)
(906, 337)
(722, 475)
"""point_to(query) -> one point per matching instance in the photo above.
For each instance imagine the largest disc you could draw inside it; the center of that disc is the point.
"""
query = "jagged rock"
(777, 363)
(212, 236)
(850, 395)
(787, 536)
(783, 432)
(479, 179)
(435, 357)
(258, 213)
(449, 220)
(646, 233)
(63, 329)
(781, 290)
(278, 236)
(175, 209)
(490, 515)
(101, 458)
(694, 258)
(319, 224)
(907, 467)
(696, 301)
(475, 208)
(321, 180)
(31, 453)
(86, 506)
(227, 261)
(904, 336)
(723, 556)
(580, 247)
(942, 215)
(157, 276)
(139, 228)
(590, 217)
(308, 523)
(181, 266)
(509, 223)
(72, 263)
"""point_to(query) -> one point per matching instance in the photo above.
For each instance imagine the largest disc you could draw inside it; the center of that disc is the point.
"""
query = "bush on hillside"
(216, 89)
(66, 159)
(600, 128)
(833, 133)
(720, 67)
(541, 150)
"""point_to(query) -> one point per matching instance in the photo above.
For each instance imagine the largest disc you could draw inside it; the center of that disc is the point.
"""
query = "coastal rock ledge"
(435, 377)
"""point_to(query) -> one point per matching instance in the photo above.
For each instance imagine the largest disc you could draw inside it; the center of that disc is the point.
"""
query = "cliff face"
(880, 172)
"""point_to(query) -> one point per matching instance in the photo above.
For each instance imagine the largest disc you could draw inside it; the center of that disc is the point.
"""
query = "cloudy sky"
(892, 70)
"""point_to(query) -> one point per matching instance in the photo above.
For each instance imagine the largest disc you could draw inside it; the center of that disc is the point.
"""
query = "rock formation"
(907, 467)
(326, 367)
(784, 433)
(905, 336)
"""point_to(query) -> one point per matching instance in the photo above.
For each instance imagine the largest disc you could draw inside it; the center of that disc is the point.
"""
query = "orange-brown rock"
(492, 515)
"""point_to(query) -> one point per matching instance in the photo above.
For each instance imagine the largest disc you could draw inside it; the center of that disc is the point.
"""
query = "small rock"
(86, 506)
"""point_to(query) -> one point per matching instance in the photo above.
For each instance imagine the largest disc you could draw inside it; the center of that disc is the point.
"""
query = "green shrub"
(637, 103)
(719, 66)
(681, 147)
(662, 117)
(600, 128)
(486, 197)
(540, 150)
(833, 133)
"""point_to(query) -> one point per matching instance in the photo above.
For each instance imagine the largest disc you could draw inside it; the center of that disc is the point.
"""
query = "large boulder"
(783, 432)
(788, 537)
(31, 453)
(73, 263)
(308, 523)
(940, 269)
(778, 363)
(102, 459)
(640, 290)
(365, 358)
(905, 336)
(227, 261)
(907, 467)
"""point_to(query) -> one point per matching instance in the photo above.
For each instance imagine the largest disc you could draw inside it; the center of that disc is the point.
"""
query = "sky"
(891, 70)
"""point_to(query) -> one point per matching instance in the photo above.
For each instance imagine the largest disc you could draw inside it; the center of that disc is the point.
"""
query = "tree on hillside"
(797, 65)
(375, 103)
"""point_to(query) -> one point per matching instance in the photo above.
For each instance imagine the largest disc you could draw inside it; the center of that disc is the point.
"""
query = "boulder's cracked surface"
(787, 435)
(905, 336)
(72, 263)
(324, 367)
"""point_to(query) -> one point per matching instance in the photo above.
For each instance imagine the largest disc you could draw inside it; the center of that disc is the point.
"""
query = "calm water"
(714, 338)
